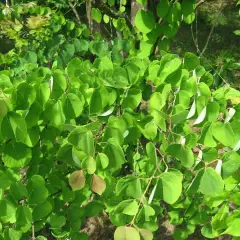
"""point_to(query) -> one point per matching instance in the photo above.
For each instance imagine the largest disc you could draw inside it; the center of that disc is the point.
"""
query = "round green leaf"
(102, 160)
(170, 187)
(211, 182)
(23, 96)
(54, 112)
(8, 211)
(114, 152)
(23, 218)
(13, 126)
(12, 234)
(188, 7)
(191, 61)
(133, 99)
(72, 106)
(163, 8)
(183, 153)
(231, 163)
(233, 228)
(41, 211)
(16, 155)
(223, 133)
(5, 81)
(89, 164)
(168, 65)
(38, 193)
(145, 21)
(96, 15)
(18, 190)
(82, 139)
(106, 18)
(57, 221)
(58, 84)
(174, 14)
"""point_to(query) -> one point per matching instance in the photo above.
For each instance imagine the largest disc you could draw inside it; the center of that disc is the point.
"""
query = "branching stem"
(146, 189)
(33, 232)
(75, 11)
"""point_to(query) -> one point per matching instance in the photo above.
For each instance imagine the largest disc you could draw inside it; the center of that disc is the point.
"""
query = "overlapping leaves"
(133, 139)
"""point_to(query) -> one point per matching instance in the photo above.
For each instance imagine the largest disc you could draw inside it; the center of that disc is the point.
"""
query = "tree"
(123, 127)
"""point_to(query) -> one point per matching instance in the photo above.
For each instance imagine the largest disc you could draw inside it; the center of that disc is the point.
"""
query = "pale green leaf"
(126, 233)
(170, 186)
(223, 133)
(211, 182)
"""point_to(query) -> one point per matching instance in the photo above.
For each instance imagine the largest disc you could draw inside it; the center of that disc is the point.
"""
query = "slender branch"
(212, 29)
(1, 91)
(195, 38)
(89, 14)
(209, 163)
(113, 13)
(196, 31)
(33, 232)
(217, 73)
(69, 10)
(56, 193)
(119, 33)
(162, 158)
(208, 40)
(143, 195)
(75, 11)
(146, 189)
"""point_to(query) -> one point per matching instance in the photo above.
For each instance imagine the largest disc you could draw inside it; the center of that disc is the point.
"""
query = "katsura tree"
(122, 129)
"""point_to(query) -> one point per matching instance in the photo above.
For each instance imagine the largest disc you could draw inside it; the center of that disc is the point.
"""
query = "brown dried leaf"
(77, 180)
(98, 184)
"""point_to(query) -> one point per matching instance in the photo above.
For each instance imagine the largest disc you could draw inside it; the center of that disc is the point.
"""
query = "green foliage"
(87, 130)
(90, 127)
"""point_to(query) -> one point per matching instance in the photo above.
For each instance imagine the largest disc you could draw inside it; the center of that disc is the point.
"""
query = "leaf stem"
(33, 232)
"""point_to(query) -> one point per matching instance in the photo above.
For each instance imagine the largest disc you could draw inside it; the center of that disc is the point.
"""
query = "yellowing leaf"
(235, 100)
(233, 228)
(146, 234)
(3, 109)
(131, 208)
(77, 180)
(90, 164)
(126, 233)
(35, 22)
(98, 184)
